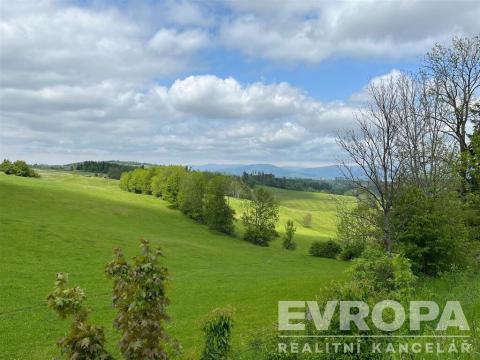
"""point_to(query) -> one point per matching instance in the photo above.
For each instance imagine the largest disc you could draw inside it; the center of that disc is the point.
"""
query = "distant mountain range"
(322, 172)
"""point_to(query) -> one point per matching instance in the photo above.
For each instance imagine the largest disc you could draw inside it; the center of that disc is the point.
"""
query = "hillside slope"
(71, 223)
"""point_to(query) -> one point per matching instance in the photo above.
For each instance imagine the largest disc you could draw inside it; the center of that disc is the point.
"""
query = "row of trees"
(199, 195)
(339, 186)
(265, 179)
(18, 168)
(112, 169)
(417, 143)
(203, 197)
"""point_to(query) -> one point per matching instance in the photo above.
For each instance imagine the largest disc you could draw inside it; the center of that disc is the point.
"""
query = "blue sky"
(203, 81)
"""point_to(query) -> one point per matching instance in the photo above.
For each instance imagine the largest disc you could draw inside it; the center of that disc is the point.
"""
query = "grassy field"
(295, 205)
(71, 223)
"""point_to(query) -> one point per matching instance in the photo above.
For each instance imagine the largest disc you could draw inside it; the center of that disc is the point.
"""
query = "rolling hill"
(71, 223)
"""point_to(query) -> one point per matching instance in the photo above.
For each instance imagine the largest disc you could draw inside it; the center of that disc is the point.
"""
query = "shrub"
(217, 329)
(352, 251)
(84, 341)
(288, 242)
(140, 298)
(329, 249)
(307, 220)
(431, 231)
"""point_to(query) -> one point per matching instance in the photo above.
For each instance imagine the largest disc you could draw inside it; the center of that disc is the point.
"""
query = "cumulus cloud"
(48, 44)
(198, 117)
(96, 81)
(311, 31)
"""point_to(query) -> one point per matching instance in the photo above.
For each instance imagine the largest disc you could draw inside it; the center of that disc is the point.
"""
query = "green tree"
(5, 166)
(125, 180)
(139, 295)
(431, 230)
(260, 217)
(84, 341)
(473, 177)
(217, 329)
(357, 227)
(191, 194)
(290, 230)
(218, 214)
(171, 185)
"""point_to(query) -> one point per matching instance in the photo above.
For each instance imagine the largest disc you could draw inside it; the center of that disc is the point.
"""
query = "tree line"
(112, 169)
(203, 197)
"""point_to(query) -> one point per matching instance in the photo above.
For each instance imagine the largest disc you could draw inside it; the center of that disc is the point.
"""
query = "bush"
(352, 251)
(288, 242)
(84, 341)
(329, 249)
(307, 220)
(18, 168)
(217, 329)
(430, 230)
(139, 296)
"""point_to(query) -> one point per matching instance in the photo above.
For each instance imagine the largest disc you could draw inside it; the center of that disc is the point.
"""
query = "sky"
(196, 82)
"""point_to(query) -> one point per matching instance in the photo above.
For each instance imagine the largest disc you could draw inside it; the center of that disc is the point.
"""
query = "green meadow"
(71, 223)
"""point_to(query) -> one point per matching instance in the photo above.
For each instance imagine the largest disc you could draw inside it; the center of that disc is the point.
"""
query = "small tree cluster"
(217, 329)
(260, 217)
(84, 341)
(290, 230)
(18, 168)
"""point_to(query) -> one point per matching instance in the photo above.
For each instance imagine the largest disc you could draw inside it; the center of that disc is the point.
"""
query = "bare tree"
(423, 145)
(455, 75)
(374, 149)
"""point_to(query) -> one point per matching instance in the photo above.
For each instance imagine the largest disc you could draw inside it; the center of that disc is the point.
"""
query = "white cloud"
(212, 97)
(311, 31)
(99, 82)
(51, 44)
(198, 117)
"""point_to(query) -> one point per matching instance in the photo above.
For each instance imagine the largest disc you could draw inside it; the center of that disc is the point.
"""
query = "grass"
(295, 205)
(71, 223)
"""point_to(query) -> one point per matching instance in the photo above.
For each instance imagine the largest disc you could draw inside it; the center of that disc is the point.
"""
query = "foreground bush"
(139, 295)
(84, 341)
(217, 329)
(374, 277)
(329, 249)
(140, 299)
